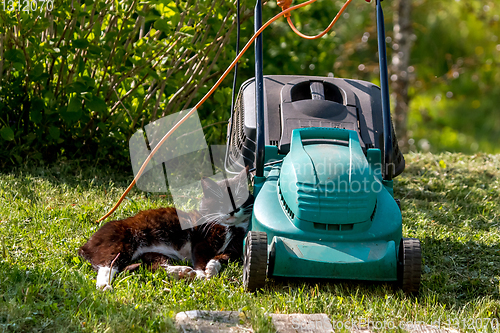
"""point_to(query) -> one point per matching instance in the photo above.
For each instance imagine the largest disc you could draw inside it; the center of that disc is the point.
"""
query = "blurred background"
(79, 78)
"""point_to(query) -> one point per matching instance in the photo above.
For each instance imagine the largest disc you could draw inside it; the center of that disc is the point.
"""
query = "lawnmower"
(324, 153)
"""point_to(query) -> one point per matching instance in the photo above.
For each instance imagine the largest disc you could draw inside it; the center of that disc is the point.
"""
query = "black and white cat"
(155, 236)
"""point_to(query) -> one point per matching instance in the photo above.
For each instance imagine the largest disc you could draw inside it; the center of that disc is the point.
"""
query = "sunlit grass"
(449, 202)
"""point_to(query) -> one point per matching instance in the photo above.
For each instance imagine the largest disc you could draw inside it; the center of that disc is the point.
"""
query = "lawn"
(449, 201)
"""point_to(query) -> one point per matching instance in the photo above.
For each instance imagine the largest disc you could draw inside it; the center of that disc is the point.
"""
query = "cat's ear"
(240, 183)
(243, 176)
(210, 188)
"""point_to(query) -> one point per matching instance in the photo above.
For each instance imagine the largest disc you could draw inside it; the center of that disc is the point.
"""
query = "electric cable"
(290, 23)
(233, 95)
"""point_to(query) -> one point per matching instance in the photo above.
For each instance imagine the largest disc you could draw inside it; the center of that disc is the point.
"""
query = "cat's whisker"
(211, 218)
(208, 216)
(209, 226)
(208, 219)
(217, 192)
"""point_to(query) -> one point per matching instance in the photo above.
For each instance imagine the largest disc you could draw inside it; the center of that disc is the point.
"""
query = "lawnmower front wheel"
(255, 261)
(410, 265)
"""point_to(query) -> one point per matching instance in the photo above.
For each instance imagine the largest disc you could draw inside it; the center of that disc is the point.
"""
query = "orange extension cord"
(284, 4)
(285, 12)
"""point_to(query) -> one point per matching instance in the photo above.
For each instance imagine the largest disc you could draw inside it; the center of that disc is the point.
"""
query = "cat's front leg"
(207, 266)
(104, 277)
(213, 268)
(214, 265)
(201, 257)
(180, 272)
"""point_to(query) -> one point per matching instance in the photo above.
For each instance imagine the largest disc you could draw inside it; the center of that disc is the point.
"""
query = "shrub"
(78, 78)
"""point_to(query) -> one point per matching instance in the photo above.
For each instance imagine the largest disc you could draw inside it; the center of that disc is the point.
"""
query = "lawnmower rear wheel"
(410, 265)
(255, 260)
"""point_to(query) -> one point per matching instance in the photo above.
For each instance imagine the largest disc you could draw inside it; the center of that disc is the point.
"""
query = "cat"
(155, 236)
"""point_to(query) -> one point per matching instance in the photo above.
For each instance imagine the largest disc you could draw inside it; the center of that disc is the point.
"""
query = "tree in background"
(402, 44)
(455, 86)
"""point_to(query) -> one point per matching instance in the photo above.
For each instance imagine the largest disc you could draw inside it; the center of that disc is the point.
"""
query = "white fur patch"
(227, 240)
(200, 274)
(239, 219)
(180, 272)
(213, 268)
(184, 253)
(104, 278)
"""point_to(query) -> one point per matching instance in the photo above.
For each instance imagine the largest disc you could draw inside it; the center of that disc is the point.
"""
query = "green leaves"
(80, 43)
(103, 63)
(95, 51)
(36, 116)
(73, 111)
(14, 55)
(36, 72)
(74, 105)
(7, 133)
(188, 31)
(54, 132)
(97, 104)
(162, 25)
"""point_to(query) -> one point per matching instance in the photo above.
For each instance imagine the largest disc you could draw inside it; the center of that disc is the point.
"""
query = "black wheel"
(409, 265)
(255, 260)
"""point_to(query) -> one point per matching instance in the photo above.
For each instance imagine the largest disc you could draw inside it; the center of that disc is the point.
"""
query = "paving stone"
(302, 323)
(212, 322)
(235, 322)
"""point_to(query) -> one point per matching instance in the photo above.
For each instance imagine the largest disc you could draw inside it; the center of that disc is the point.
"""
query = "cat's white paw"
(200, 274)
(181, 272)
(104, 276)
(213, 268)
(107, 287)
(103, 286)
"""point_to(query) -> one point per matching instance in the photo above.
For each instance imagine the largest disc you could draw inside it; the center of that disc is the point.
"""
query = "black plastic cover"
(292, 102)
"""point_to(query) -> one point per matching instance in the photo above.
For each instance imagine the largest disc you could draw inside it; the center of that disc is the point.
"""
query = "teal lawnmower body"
(325, 224)
(324, 155)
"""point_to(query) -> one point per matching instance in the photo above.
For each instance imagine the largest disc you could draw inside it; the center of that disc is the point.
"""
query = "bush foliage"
(78, 80)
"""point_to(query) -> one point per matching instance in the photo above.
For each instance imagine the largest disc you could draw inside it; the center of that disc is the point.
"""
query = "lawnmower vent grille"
(334, 227)
(238, 136)
(285, 206)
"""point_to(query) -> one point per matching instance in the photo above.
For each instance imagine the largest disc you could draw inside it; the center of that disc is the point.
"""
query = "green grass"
(449, 202)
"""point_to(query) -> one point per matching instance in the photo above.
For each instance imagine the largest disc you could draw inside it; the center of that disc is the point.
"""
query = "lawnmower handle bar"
(384, 90)
(384, 87)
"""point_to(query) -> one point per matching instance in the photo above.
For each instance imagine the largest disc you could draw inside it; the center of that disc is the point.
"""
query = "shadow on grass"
(454, 275)
(71, 175)
(452, 197)
(461, 272)
(64, 185)
(381, 288)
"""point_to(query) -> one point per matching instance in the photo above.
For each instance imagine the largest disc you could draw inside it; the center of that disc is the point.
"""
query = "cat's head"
(216, 205)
